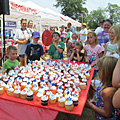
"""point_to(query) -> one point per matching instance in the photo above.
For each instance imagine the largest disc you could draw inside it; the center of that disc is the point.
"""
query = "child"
(71, 44)
(93, 51)
(116, 84)
(68, 36)
(11, 62)
(103, 108)
(114, 40)
(76, 53)
(34, 50)
(56, 48)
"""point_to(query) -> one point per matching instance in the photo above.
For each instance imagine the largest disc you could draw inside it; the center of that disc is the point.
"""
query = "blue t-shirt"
(34, 51)
(72, 29)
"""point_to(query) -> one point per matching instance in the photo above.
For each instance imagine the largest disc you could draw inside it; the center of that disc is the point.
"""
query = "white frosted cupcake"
(23, 94)
(1, 90)
(61, 102)
(52, 99)
(39, 95)
(17, 93)
(58, 95)
(83, 86)
(69, 105)
(53, 89)
(10, 91)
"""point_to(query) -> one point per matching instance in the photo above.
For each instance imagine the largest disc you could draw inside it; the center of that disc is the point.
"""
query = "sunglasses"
(23, 19)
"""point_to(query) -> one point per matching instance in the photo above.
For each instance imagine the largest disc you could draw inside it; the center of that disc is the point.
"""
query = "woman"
(21, 38)
(103, 36)
(63, 33)
(30, 28)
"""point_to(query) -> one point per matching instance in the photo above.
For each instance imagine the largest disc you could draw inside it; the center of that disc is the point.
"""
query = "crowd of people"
(99, 48)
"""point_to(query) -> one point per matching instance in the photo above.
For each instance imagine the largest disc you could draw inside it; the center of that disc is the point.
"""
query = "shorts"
(22, 56)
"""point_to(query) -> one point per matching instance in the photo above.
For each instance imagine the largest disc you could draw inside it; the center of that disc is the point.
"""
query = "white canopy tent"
(40, 16)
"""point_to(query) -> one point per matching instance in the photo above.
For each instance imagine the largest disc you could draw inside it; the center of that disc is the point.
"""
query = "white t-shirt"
(98, 29)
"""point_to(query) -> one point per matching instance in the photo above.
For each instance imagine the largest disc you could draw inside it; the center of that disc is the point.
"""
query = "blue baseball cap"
(36, 34)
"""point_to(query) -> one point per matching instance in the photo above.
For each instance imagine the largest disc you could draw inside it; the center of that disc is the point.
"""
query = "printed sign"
(12, 24)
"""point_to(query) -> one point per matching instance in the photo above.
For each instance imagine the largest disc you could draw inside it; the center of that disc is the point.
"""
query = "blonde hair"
(116, 31)
(94, 34)
(106, 65)
(79, 43)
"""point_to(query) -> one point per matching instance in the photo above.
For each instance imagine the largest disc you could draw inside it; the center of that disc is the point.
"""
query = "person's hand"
(87, 60)
(77, 50)
(88, 104)
(25, 42)
(54, 43)
(74, 49)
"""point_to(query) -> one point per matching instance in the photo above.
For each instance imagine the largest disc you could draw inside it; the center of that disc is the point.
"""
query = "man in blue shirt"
(69, 25)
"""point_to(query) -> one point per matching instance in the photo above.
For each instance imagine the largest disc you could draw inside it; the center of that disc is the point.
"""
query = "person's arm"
(106, 95)
(25, 59)
(16, 40)
(22, 42)
(43, 58)
(59, 49)
(105, 50)
(85, 57)
(66, 39)
(72, 55)
(100, 55)
(116, 75)
(68, 47)
(116, 98)
(50, 57)
(79, 58)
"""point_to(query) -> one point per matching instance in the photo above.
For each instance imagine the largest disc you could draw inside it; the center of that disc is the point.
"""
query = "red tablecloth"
(22, 103)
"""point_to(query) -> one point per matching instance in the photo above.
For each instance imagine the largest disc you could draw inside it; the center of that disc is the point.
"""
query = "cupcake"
(48, 93)
(83, 86)
(39, 95)
(17, 93)
(1, 90)
(75, 100)
(44, 100)
(30, 95)
(69, 105)
(59, 94)
(61, 102)
(10, 91)
(52, 99)
(35, 89)
(23, 85)
(23, 94)
(53, 89)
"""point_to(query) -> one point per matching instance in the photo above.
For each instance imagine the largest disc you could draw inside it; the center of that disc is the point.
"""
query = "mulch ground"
(87, 114)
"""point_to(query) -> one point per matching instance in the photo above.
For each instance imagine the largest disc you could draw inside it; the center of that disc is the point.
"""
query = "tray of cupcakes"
(48, 82)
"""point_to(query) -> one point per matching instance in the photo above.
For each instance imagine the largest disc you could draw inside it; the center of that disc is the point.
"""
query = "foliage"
(72, 8)
(93, 19)
(114, 12)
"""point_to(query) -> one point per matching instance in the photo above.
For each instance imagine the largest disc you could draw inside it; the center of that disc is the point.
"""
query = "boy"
(56, 48)
(12, 61)
(34, 50)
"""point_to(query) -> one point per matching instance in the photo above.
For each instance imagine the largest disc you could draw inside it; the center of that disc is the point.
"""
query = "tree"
(114, 12)
(72, 8)
(93, 19)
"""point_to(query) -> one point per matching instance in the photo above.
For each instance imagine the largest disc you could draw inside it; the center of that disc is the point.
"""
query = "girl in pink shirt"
(93, 51)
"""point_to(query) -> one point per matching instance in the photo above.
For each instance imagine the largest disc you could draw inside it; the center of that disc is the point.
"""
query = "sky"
(90, 4)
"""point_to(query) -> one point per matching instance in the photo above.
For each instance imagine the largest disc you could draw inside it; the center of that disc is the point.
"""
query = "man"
(83, 33)
(69, 25)
(99, 29)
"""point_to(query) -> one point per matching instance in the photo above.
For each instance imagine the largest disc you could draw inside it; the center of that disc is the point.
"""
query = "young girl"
(114, 40)
(93, 51)
(71, 43)
(103, 108)
(76, 52)
(116, 84)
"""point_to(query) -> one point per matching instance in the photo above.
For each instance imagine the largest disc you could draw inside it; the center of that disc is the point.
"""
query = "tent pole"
(4, 55)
